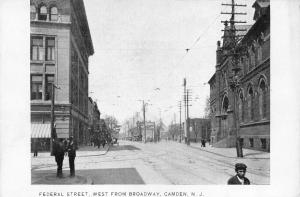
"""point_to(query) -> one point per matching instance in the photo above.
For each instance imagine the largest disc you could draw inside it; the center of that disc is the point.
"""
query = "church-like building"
(243, 113)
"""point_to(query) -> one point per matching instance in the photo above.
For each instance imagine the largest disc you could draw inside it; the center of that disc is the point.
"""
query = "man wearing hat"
(239, 178)
(72, 154)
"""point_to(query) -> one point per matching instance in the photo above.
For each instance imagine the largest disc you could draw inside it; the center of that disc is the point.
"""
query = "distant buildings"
(199, 129)
(253, 96)
(60, 45)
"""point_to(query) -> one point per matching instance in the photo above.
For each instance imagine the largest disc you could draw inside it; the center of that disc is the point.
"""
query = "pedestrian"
(72, 155)
(59, 153)
(35, 148)
(66, 146)
(239, 178)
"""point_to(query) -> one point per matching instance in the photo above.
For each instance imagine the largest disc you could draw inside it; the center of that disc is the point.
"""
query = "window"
(36, 49)
(49, 82)
(32, 12)
(251, 141)
(241, 107)
(43, 13)
(50, 48)
(262, 100)
(53, 14)
(251, 104)
(263, 143)
(36, 87)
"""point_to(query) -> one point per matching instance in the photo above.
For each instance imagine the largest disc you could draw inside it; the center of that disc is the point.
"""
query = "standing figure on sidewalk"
(35, 147)
(59, 153)
(72, 155)
(239, 178)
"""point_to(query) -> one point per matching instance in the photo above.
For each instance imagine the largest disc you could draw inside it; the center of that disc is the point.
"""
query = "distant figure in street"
(203, 142)
(72, 154)
(59, 153)
(239, 178)
(35, 147)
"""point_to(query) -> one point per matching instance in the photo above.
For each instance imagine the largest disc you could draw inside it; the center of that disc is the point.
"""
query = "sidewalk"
(231, 152)
(43, 167)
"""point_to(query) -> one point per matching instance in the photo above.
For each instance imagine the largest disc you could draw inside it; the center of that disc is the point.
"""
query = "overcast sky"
(140, 46)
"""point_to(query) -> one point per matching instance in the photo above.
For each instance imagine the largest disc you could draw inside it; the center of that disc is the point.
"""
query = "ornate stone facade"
(252, 106)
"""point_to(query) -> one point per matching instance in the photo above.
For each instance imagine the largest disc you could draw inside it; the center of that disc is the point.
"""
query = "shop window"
(53, 14)
(251, 141)
(36, 85)
(36, 49)
(263, 143)
(32, 12)
(48, 91)
(43, 13)
(50, 48)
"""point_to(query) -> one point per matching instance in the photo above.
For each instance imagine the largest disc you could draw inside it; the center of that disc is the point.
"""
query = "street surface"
(166, 162)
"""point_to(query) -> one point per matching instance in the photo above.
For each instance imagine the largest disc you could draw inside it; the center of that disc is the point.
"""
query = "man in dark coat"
(59, 152)
(239, 178)
(72, 154)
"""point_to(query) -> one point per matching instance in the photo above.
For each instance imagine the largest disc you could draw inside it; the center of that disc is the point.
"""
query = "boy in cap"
(239, 178)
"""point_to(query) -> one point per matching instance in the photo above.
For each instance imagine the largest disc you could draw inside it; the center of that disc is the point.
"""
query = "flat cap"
(240, 166)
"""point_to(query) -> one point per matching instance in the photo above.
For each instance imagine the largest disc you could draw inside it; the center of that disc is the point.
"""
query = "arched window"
(241, 107)
(262, 100)
(32, 12)
(53, 14)
(43, 13)
(251, 103)
(225, 104)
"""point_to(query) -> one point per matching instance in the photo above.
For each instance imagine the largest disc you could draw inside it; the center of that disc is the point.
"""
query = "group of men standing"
(60, 148)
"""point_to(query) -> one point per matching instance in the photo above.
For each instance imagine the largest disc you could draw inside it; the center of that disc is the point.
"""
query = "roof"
(242, 33)
(261, 3)
(212, 78)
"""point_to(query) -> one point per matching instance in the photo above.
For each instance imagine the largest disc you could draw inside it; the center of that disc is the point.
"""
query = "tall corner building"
(60, 46)
(251, 100)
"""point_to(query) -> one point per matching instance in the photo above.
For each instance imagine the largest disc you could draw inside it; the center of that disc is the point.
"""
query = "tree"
(207, 109)
(112, 125)
(174, 131)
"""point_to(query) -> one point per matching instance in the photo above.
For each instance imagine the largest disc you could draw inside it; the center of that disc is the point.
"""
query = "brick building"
(60, 45)
(253, 96)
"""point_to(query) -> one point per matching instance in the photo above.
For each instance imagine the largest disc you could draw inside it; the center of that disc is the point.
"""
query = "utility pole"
(144, 115)
(236, 54)
(53, 131)
(188, 119)
(180, 121)
(184, 97)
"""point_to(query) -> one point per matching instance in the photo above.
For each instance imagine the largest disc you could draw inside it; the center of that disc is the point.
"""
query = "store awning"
(39, 130)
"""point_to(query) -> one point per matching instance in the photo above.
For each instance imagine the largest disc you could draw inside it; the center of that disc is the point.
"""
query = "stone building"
(60, 45)
(251, 114)
(94, 119)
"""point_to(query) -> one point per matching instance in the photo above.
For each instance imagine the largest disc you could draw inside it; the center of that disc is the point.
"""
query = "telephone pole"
(188, 119)
(234, 81)
(144, 115)
(53, 131)
(180, 121)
